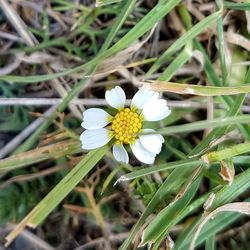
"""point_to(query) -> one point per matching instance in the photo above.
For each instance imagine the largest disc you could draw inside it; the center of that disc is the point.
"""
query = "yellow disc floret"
(126, 125)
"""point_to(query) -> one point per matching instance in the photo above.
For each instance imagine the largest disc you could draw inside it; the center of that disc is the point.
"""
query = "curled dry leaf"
(226, 173)
(209, 202)
(169, 243)
(240, 207)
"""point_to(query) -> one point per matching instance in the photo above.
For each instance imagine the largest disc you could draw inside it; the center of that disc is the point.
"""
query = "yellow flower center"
(126, 125)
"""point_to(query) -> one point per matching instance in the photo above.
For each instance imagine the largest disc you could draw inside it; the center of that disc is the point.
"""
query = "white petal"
(141, 153)
(94, 138)
(151, 142)
(120, 153)
(95, 118)
(115, 97)
(142, 97)
(156, 110)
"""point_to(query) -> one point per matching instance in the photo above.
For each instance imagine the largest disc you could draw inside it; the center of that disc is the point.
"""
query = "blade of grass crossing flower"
(120, 20)
(189, 35)
(140, 173)
(59, 192)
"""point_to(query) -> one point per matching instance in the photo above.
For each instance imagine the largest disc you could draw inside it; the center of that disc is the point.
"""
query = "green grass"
(198, 141)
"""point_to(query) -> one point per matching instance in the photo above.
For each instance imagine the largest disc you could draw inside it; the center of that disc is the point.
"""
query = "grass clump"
(58, 58)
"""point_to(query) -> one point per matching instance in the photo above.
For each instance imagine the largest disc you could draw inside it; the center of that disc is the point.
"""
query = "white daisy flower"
(126, 127)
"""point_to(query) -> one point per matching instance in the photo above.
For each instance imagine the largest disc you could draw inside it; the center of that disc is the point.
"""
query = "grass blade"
(236, 6)
(78, 87)
(148, 21)
(59, 192)
(55, 150)
(240, 207)
(189, 35)
(200, 125)
(224, 195)
(178, 62)
(226, 153)
(106, 2)
(150, 170)
(169, 184)
(182, 88)
(168, 215)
